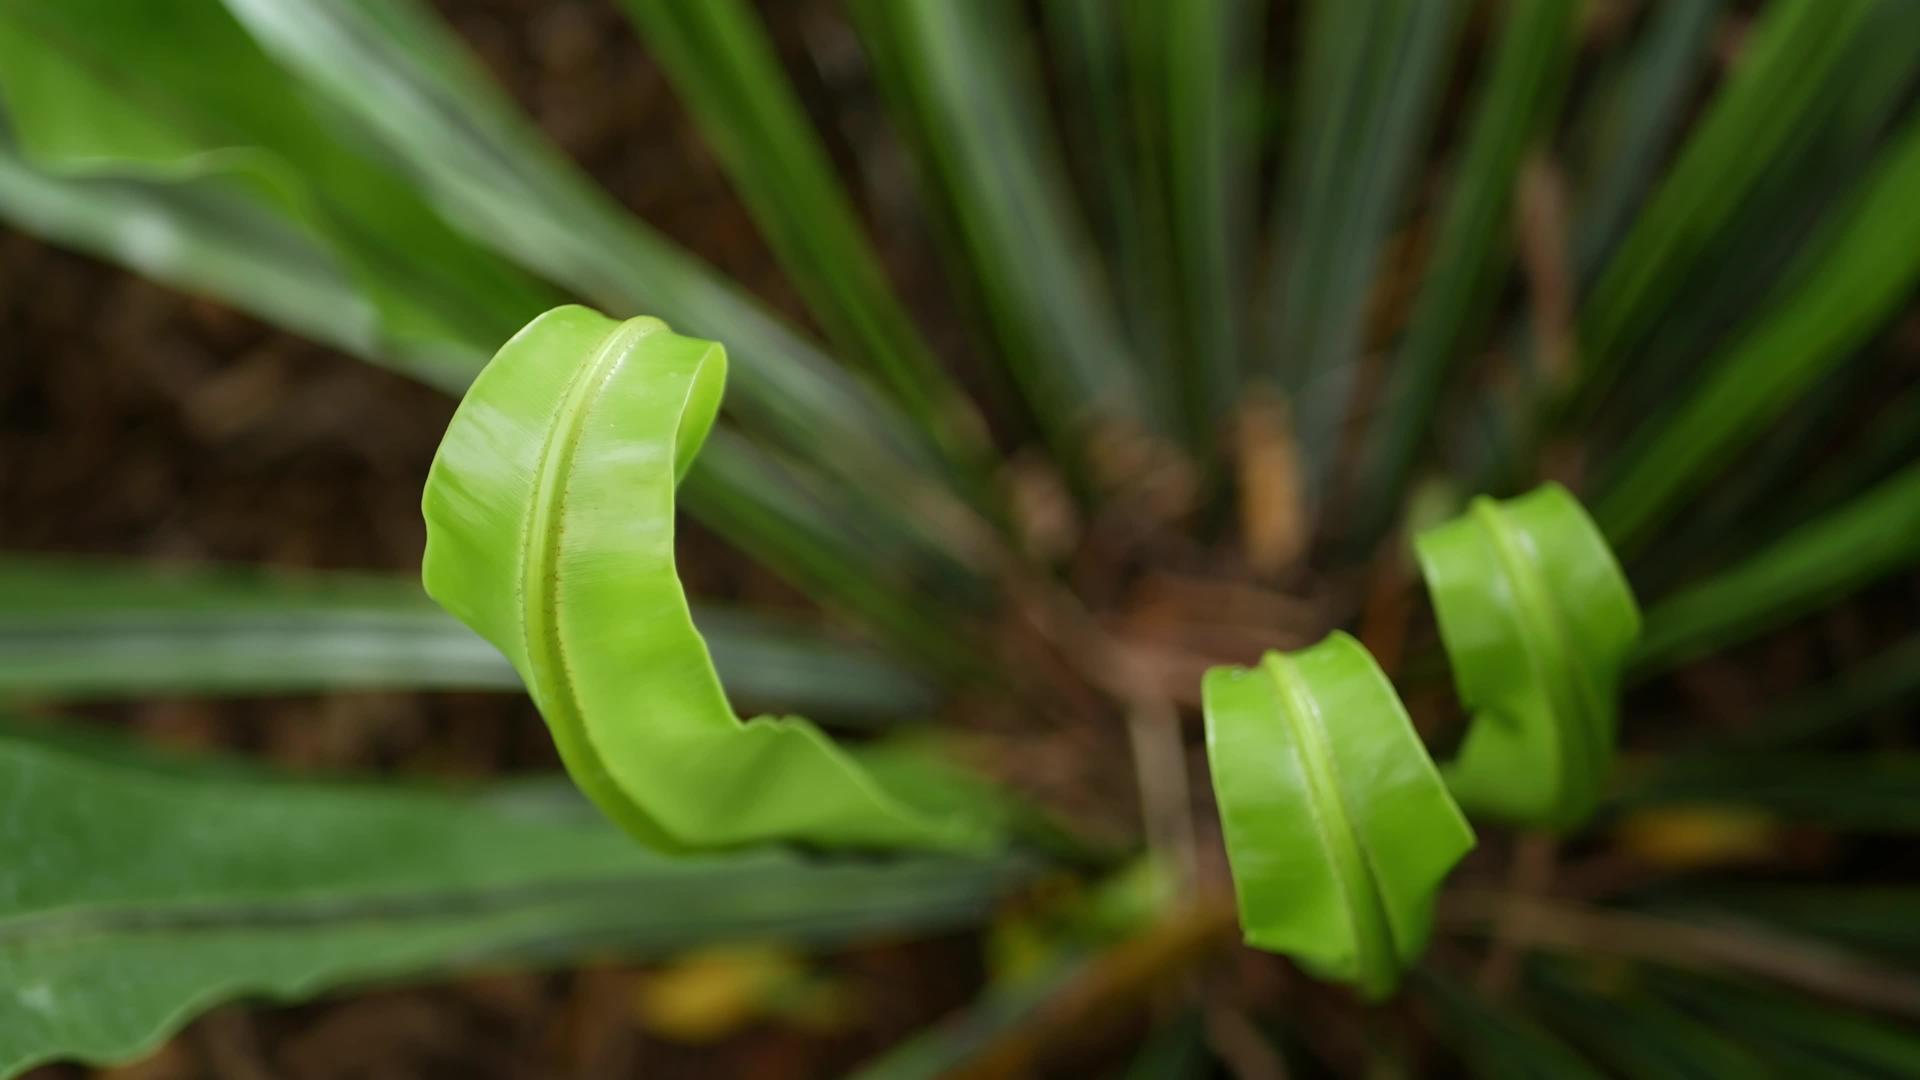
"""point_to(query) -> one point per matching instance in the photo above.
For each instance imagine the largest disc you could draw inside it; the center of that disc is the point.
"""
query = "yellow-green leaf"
(1537, 620)
(1338, 827)
(550, 523)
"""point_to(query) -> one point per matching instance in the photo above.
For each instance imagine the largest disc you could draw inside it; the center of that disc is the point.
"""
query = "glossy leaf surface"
(550, 519)
(161, 888)
(178, 93)
(1538, 622)
(1337, 825)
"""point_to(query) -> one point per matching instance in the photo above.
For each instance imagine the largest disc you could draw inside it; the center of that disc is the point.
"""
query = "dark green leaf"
(1875, 534)
(959, 75)
(93, 630)
(723, 65)
(1520, 93)
(135, 912)
(1862, 265)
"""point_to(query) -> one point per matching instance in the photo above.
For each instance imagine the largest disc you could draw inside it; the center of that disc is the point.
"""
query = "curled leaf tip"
(1337, 825)
(550, 526)
(1537, 620)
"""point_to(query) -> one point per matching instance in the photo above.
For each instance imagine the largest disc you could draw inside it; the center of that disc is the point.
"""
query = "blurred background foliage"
(1077, 345)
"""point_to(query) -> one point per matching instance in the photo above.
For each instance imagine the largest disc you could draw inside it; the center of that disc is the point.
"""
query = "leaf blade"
(549, 523)
(111, 945)
(1338, 834)
(1537, 621)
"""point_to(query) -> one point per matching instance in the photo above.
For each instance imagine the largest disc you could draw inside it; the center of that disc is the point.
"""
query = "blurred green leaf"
(1862, 264)
(1797, 1035)
(1520, 93)
(177, 93)
(1875, 534)
(550, 511)
(1372, 77)
(1769, 103)
(723, 65)
(1885, 680)
(1193, 60)
(75, 629)
(1877, 792)
(1499, 1043)
(1636, 1034)
(1337, 825)
(1875, 920)
(960, 76)
(1090, 43)
(1632, 118)
(397, 69)
(1537, 622)
(213, 239)
(134, 913)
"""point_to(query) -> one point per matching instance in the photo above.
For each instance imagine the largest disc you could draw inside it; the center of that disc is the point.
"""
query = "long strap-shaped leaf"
(140, 891)
(1338, 827)
(1519, 93)
(550, 512)
(1537, 621)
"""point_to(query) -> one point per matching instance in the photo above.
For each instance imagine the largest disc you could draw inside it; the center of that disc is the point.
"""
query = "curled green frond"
(550, 521)
(1338, 827)
(1537, 620)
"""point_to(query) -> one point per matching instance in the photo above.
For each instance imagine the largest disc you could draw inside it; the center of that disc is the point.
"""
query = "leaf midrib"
(545, 529)
(1548, 655)
(1374, 947)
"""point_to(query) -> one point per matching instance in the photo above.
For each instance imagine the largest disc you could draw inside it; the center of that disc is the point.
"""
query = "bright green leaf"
(1337, 825)
(550, 517)
(1537, 621)
(135, 912)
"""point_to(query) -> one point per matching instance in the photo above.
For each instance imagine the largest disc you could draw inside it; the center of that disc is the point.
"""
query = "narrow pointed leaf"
(1874, 535)
(1633, 118)
(1799, 1035)
(1878, 792)
(550, 515)
(214, 240)
(1766, 104)
(1338, 827)
(1636, 1034)
(1519, 94)
(722, 63)
(1371, 79)
(134, 914)
(1499, 1042)
(1859, 271)
(179, 93)
(958, 74)
(1538, 622)
(1195, 60)
(90, 630)
(400, 71)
